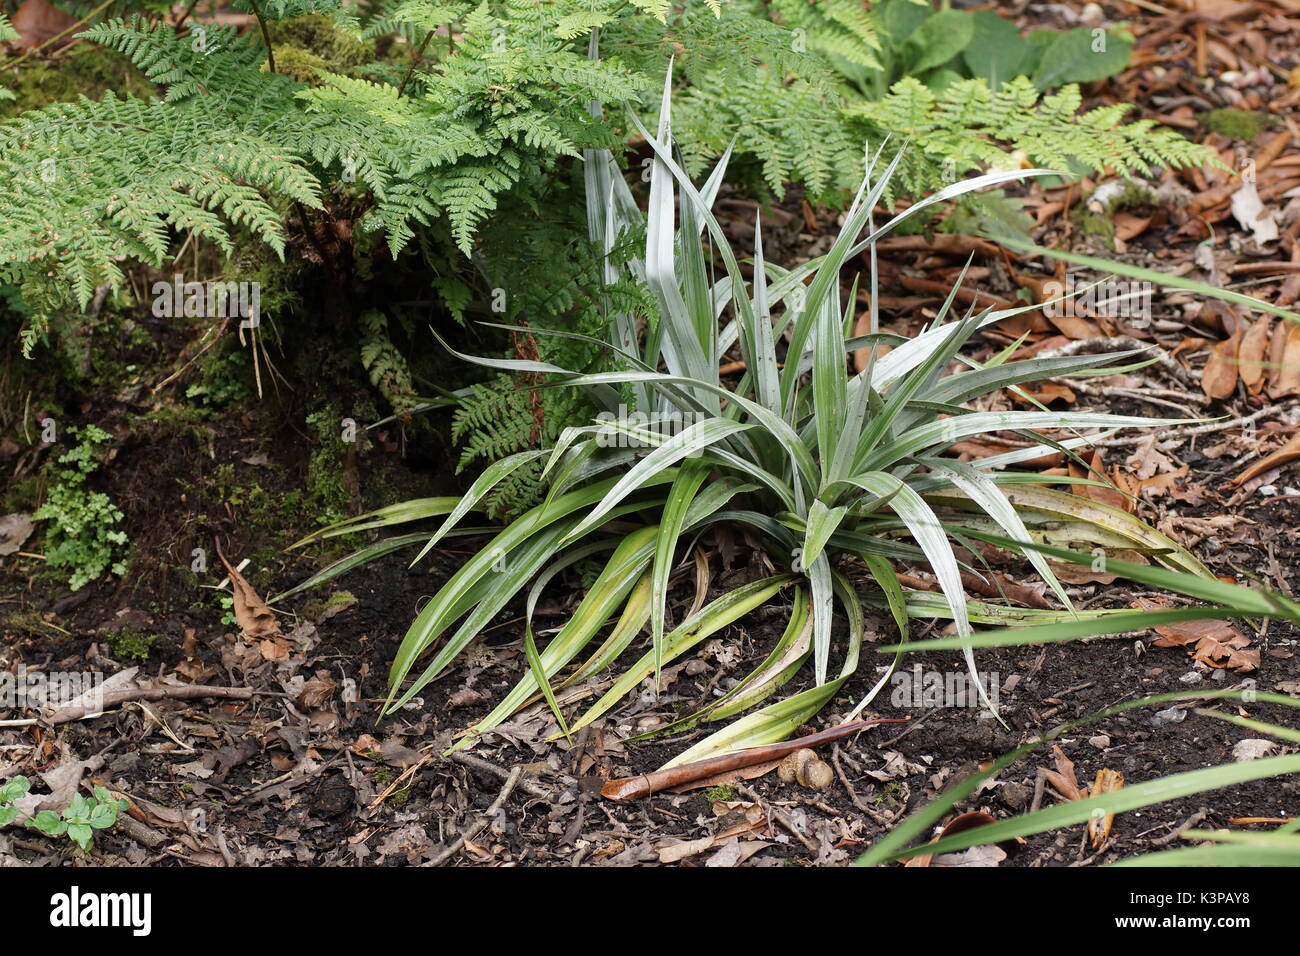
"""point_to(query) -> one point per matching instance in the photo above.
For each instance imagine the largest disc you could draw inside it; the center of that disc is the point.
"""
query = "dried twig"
(1177, 832)
(114, 697)
(1187, 431)
(780, 818)
(472, 830)
(485, 766)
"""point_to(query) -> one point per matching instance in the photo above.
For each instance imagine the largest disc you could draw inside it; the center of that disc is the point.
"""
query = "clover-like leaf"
(15, 788)
(50, 823)
(81, 834)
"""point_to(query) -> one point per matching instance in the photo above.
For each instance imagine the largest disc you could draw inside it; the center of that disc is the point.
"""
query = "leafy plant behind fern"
(937, 80)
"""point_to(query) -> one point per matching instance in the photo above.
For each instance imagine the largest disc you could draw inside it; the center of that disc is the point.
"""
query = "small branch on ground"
(115, 697)
(485, 766)
(473, 829)
(1187, 431)
(1120, 343)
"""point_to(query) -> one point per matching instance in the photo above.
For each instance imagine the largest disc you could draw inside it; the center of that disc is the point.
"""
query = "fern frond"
(91, 182)
(968, 126)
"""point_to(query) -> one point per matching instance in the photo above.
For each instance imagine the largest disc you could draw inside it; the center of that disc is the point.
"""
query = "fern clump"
(963, 89)
(233, 145)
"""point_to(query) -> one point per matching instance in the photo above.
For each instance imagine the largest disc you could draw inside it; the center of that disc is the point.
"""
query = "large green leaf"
(939, 39)
(996, 52)
(1082, 55)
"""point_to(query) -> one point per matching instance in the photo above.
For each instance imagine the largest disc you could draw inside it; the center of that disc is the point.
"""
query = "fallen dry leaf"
(1252, 749)
(1249, 210)
(1216, 643)
(1072, 573)
(976, 856)
(1218, 9)
(38, 21)
(1158, 485)
(1130, 226)
(1287, 453)
(1043, 393)
(252, 615)
(1219, 378)
(1284, 361)
(256, 621)
(1103, 494)
(958, 824)
(1063, 777)
(1146, 461)
(317, 692)
(1106, 781)
(676, 852)
(736, 853)
(1251, 356)
(14, 530)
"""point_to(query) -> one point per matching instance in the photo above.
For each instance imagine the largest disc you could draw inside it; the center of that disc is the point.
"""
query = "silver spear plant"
(824, 468)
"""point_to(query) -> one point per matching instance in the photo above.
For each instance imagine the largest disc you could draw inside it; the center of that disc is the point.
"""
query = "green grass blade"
(822, 522)
(949, 431)
(924, 525)
(1149, 275)
(774, 722)
(492, 476)
(781, 663)
(536, 527)
(682, 445)
(1118, 623)
(636, 612)
(823, 609)
(984, 491)
(1205, 587)
(894, 844)
(762, 361)
(605, 596)
(689, 479)
(890, 586)
(539, 675)
(1130, 797)
(710, 619)
(416, 509)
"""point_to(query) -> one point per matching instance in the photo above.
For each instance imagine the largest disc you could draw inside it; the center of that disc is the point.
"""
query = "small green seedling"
(79, 820)
(11, 791)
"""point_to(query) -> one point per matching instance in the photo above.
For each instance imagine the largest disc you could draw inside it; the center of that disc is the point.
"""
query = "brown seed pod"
(793, 765)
